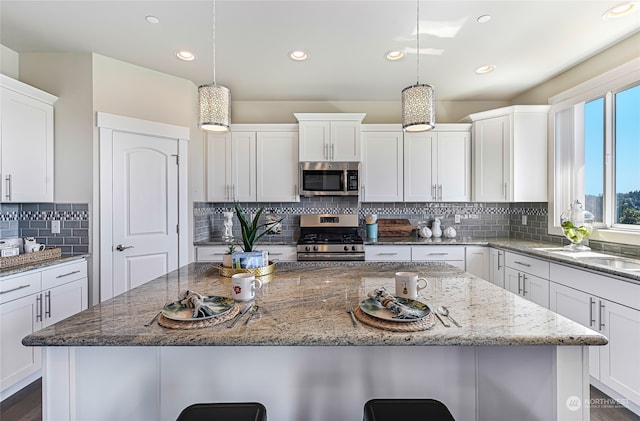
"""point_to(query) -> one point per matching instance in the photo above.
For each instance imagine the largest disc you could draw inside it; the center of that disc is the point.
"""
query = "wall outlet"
(457, 219)
(55, 227)
(524, 219)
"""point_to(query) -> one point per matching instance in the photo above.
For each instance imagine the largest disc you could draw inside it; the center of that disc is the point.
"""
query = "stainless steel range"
(329, 237)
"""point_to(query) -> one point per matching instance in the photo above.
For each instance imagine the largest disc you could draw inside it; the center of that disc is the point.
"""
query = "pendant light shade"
(214, 100)
(418, 101)
(418, 110)
(215, 108)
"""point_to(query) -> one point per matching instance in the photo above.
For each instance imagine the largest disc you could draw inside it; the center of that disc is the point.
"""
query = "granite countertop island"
(304, 360)
(304, 304)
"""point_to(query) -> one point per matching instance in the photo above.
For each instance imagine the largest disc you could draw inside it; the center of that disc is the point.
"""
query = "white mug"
(244, 286)
(408, 284)
(30, 248)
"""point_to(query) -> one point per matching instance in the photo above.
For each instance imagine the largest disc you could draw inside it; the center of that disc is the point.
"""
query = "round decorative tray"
(265, 270)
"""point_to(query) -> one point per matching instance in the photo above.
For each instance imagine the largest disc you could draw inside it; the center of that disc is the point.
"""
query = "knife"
(242, 312)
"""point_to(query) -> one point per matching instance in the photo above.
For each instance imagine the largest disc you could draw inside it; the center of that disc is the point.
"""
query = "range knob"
(353, 248)
(346, 248)
(315, 248)
(307, 248)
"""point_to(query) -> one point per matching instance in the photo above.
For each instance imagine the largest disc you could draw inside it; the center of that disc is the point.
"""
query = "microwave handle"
(345, 180)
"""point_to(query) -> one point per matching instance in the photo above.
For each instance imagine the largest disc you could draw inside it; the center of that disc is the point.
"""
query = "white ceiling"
(528, 41)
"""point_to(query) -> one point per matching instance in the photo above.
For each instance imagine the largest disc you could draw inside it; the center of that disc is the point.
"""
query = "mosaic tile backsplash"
(477, 220)
(34, 220)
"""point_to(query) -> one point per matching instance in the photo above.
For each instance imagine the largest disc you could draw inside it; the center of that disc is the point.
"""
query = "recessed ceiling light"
(487, 68)
(152, 19)
(483, 19)
(621, 10)
(298, 55)
(186, 55)
(394, 55)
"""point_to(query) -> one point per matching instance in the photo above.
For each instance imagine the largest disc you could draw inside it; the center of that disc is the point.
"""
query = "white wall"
(9, 62)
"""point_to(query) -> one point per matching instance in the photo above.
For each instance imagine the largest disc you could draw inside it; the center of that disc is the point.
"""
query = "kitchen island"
(304, 360)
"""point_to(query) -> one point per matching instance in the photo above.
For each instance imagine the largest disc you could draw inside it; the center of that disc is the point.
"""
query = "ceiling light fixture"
(215, 100)
(621, 10)
(394, 55)
(483, 19)
(299, 55)
(152, 19)
(418, 101)
(186, 55)
(487, 68)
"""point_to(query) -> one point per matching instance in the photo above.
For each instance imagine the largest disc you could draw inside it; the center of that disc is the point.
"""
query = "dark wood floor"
(26, 405)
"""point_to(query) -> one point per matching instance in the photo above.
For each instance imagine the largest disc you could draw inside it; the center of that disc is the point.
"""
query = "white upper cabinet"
(26, 142)
(382, 163)
(329, 137)
(510, 154)
(277, 167)
(231, 167)
(437, 165)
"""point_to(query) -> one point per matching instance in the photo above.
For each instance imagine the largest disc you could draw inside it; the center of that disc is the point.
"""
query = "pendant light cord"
(214, 42)
(417, 42)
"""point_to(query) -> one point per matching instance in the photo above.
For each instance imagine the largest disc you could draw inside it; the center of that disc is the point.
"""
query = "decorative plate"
(179, 312)
(414, 309)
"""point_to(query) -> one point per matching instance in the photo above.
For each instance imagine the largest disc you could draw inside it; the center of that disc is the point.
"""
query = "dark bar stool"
(406, 409)
(242, 411)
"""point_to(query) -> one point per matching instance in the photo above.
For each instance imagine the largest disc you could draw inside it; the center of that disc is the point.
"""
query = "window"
(596, 153)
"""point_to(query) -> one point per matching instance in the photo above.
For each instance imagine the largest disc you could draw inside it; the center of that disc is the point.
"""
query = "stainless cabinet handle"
(387, 254)
(434, 195)
(519, 285)
(499, 253)
(524, 284)
(39, 308)
(437, 254)
(47, 304)
(325, 148)
(332, 153)
(592, 302)
(601, 315)
(71, 273)
(505, 190)
(120, 247)
(523, 264)
(440, 191)
(14, 289)
(275, 254)
(7, 180)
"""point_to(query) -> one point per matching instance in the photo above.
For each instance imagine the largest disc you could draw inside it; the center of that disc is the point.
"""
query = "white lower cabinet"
(496, 267)
(387, 253)
(590, 299)
(527, 277)
(453, 255)
(29, 302)
(478, 262)
(214, 253)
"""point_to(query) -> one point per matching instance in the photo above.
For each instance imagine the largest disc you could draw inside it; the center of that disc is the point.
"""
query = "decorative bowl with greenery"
(250, 229)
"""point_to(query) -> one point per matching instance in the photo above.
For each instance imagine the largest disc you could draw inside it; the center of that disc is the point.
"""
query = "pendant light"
(215, 100)
(418, 101)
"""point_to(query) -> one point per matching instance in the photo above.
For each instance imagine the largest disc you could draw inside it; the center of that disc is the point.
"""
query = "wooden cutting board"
(395, 228)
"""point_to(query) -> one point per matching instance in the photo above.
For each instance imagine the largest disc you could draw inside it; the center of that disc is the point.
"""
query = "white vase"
(435, 228)
(450, 232)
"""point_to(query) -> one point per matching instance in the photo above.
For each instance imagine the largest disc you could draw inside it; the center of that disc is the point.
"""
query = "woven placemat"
(422, 324)
(196, 324)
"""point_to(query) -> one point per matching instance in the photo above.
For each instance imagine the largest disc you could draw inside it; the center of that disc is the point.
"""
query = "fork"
(350, 311)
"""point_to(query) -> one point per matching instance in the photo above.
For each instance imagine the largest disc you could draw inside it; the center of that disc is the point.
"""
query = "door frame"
(108, 124)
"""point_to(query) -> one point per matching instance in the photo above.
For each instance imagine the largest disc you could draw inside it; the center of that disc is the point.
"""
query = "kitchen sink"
(613, 262)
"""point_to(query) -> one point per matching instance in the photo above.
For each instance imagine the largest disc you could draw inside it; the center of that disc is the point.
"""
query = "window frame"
(566, 164)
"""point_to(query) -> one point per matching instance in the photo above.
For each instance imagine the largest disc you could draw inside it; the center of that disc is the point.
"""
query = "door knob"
(120, 247)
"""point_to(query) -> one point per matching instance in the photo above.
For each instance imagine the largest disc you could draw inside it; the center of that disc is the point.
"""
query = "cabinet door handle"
(77, 271)
(592, 302)
(519, 284)
(7, 180)
(295, 191)
(39, 308)
(505, 190)
(387, 254)
(14, 289)
(524, 284)
(332, 152)
(434, 195)
(523, 264)
(275, 254)
(440, 191)
(601, 315)
(325, 147)
(499, 260)
(47, 304)
(437, 254)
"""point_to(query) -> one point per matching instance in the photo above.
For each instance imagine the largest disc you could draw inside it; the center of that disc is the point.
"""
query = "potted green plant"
(251, 229)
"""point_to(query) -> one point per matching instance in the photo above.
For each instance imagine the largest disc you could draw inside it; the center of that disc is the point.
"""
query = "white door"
(243, 168)
(382, 165)
(145, 209)
(419, 173)
(454, 166)
(277, 167)
(491, 157)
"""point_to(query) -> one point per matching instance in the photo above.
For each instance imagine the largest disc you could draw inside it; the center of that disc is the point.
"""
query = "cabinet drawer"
(437, 253)
(211, 253)
(387, 253)
(282, 253)
(19, 286)
(63, 273)
(527, 265)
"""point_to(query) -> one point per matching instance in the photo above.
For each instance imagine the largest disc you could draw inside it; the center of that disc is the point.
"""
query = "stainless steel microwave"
(329, 178)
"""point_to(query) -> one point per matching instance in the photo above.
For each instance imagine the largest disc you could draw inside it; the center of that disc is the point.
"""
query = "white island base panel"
(315, 383)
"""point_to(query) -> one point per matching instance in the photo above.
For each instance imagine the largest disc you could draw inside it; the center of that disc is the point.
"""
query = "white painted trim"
(264, 127)
(446, 127)
(134, 125)
(329, 116)
(105, 188)
(499, 112)
(27, 90)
